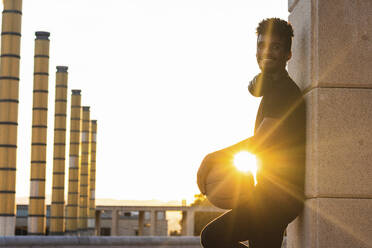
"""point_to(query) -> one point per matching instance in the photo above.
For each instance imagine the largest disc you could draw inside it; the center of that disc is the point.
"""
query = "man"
(279, 144)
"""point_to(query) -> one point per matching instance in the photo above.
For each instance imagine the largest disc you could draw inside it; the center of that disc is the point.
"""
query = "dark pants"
(261, 222)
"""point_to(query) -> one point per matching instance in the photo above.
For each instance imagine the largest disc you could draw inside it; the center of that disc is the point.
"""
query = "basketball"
(225, 185)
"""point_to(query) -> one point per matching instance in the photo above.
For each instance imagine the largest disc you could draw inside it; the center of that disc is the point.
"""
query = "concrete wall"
(99, 242)
(332, 61)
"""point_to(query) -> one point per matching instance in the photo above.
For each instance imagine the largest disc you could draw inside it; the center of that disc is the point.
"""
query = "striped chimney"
(57, 212)
(9, 85)
(92, 178)
(37, 209)
(84, 173)
(74, 165)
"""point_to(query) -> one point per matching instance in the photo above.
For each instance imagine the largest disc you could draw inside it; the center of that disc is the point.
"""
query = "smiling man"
(279, 144)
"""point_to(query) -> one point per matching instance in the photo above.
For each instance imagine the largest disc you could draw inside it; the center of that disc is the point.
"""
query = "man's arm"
(252, 144)
(258, 140)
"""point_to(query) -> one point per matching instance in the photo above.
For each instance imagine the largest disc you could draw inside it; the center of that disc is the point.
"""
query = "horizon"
(158, 77)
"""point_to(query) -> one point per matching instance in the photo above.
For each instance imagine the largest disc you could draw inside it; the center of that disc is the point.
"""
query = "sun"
(246, 162)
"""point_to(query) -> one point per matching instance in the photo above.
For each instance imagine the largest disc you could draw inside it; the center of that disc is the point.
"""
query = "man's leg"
(226, 231)
(261, 228)
(270, 239)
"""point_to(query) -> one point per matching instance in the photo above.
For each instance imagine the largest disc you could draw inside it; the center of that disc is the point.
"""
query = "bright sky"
(166, 80)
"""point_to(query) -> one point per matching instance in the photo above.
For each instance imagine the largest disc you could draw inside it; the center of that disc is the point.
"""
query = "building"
(127, 222)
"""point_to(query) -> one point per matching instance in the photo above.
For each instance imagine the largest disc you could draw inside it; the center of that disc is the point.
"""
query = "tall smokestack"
(74, 165)
(92, 184)
(57, 213)
(37, 209)
(9, 85)
(84, 174)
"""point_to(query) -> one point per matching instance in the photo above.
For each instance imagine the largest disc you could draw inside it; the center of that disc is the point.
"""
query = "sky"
(166, 81)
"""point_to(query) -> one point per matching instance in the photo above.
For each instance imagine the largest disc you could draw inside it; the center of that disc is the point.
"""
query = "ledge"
(122, 241)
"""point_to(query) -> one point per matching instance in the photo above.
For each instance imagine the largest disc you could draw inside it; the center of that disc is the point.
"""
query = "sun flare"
(246, 162)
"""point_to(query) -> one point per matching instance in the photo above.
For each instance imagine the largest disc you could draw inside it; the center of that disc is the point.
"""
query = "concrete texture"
(299, 66)
(292, 4)
(332, 57)
(332, 223)
(333, 43)
(99, 242)
(344, 42)
(339, 143)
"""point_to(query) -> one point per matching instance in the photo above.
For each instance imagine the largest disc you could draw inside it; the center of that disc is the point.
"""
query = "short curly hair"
(278, 27)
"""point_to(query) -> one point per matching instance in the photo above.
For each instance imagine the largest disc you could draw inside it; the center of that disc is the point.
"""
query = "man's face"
(272, 54)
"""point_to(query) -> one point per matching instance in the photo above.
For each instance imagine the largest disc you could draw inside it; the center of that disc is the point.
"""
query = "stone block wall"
(332, 61)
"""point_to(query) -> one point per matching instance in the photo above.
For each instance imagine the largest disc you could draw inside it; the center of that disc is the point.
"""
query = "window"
(105, 231)
(160, 215)
(21, 230)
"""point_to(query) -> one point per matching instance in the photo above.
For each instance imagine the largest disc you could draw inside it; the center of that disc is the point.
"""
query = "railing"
(100, 242)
